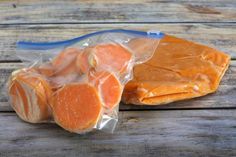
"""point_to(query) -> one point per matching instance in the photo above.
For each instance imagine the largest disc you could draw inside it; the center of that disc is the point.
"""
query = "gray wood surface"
(203, 126)
(152, 133)
(220, 36)
(70, 11)
(223, 98)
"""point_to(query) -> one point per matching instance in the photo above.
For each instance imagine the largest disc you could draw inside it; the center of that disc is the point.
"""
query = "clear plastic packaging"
(178, 70)
(78, 83)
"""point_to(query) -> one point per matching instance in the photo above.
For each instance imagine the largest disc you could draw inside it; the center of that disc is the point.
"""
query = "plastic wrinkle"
(179, 69)
(78, 82)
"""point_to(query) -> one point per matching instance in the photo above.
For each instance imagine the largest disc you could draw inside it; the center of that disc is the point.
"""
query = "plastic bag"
(78, 83)
(178, 70)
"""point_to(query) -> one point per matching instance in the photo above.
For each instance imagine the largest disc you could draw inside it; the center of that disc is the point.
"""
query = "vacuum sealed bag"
(178, 70)
(78, 83)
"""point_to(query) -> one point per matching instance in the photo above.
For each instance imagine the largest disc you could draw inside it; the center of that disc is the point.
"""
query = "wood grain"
(163, 133)
(220, 36)
(75, 11)
(203, 126)
(223, 98)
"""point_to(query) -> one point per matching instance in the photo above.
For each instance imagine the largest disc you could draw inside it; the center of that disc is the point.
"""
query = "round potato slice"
(109, 87)
(76, 107)
(29, 93)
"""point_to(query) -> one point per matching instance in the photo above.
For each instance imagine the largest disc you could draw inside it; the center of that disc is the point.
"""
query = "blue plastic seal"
(65, 43)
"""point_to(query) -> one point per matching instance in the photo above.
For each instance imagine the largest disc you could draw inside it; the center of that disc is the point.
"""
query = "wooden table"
(203, 126)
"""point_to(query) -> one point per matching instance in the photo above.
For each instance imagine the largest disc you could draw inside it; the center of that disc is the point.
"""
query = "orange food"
(46, 69)
(75, 87)
(82, 61)
(109, 87)
(62, 69)
(29, 94)
(65, 57)
(64, 62)
(76, 107)
(104, 56)
(179, 69)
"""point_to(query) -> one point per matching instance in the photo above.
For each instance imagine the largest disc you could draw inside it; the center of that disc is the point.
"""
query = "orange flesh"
(109, 87)
(105, 56)
(82, 61)
(67, 75)
(179, 70)
(62, 69)
(64, 62)
(46, 69)
(76, 107)
(19, 100)
(112, 56)
(29, 93)
(65, 57)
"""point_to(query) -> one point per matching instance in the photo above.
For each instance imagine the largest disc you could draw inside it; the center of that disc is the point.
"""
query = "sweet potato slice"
(64, 62)
(76, 107)
(82, 61)
(46, 69)
(105, 56)
(18, 99)
(29, 93)
(65, 57)
(63, 67)
(109, 87)
(178, 70)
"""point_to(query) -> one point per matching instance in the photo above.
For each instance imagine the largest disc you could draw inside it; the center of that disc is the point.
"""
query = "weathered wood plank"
(153, 133)
(5, 106)
(220, 36)
(223, 98)
(71, 11)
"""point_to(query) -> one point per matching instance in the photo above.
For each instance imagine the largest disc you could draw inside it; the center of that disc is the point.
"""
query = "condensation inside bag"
(78, 83)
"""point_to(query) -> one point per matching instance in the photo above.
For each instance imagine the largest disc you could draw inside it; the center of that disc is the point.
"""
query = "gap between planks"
(161, 109)
(117, 11)
(219, 36)
(101, 23)
(167, 133)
